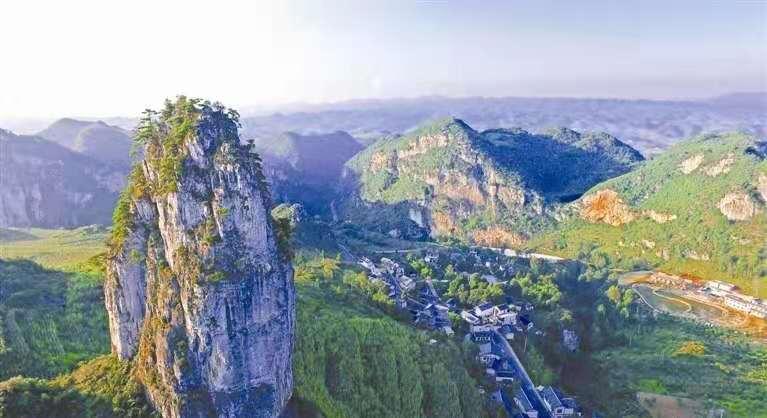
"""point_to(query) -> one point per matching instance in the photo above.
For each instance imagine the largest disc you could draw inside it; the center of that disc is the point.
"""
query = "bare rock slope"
(43, 184)
(199, 293)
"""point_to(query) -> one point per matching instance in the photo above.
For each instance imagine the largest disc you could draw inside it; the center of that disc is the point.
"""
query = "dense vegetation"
(49, 320)
(699, 240)
(625, 349)
(102, 387)
(350, 355)
(353, 360)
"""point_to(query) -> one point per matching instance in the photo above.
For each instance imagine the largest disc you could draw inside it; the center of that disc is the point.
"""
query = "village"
(490, 326)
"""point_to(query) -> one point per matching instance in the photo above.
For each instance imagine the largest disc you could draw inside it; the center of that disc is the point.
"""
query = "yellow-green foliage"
(51, 320)
(54, 248)
(690, 348)
(735, 249)
(164, 135)
(102, 387)
(669, 358)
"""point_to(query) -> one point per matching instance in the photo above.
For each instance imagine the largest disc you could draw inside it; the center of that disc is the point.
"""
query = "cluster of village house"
(426, 306)
(484, 321)
(505, 319)
(557, 404)
(716, 291)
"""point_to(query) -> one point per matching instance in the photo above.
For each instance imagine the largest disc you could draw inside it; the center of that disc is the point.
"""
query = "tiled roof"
(550, 396)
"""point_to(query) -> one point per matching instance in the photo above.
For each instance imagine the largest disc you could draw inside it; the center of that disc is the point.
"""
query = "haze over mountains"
(648, 125)
(45, 184)
(309, 144)
(98, 140)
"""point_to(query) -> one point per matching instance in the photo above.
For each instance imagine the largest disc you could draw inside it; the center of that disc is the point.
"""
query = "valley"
(547, 224)
(383, 209)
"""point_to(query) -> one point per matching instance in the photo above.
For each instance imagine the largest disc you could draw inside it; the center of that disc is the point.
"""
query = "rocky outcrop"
(606, 206)
(691, 164)
(43, 184)
(737, 206)
(472, 185)
(200, 297)
(497, 237)
(659, 217)
(761, 187)
(721, 167)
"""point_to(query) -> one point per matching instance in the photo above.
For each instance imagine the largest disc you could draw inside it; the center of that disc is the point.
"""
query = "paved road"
(526, 383)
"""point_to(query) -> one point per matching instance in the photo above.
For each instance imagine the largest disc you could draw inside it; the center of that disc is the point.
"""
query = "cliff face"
(696, 209)
(306, 169)
(198, 293)
(43, 184)
(491, 187)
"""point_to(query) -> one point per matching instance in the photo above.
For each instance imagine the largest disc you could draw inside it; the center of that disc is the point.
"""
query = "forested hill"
(491, 188)
(700, 208)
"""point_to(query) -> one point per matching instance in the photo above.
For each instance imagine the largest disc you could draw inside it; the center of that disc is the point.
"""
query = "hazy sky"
(108, 57)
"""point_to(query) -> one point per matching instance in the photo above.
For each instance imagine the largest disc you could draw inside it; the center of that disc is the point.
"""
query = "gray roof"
(551, 397)
(525, 403)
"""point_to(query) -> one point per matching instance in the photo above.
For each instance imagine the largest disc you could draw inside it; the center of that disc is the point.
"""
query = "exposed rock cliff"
(199, 294)
(43, 184)
(699, 208)
(487, 187)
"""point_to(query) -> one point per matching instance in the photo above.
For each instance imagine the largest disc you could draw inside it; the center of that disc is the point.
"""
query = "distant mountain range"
(45, 184)
(306, 168)
(97, 140)
(648, 125)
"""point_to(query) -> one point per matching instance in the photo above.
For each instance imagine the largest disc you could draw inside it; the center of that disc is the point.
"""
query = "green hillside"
(492, 187)
(698, 208)
(61, 249)
(50, 320)
(97, 140)
(350, 355)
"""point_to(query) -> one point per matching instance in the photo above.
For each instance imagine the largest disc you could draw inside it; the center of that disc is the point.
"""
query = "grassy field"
(63, 249)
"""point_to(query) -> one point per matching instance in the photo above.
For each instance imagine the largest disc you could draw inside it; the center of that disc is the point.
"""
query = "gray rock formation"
(45, 185)
(199, 294)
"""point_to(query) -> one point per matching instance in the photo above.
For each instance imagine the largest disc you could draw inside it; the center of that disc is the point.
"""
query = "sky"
(115, 58)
